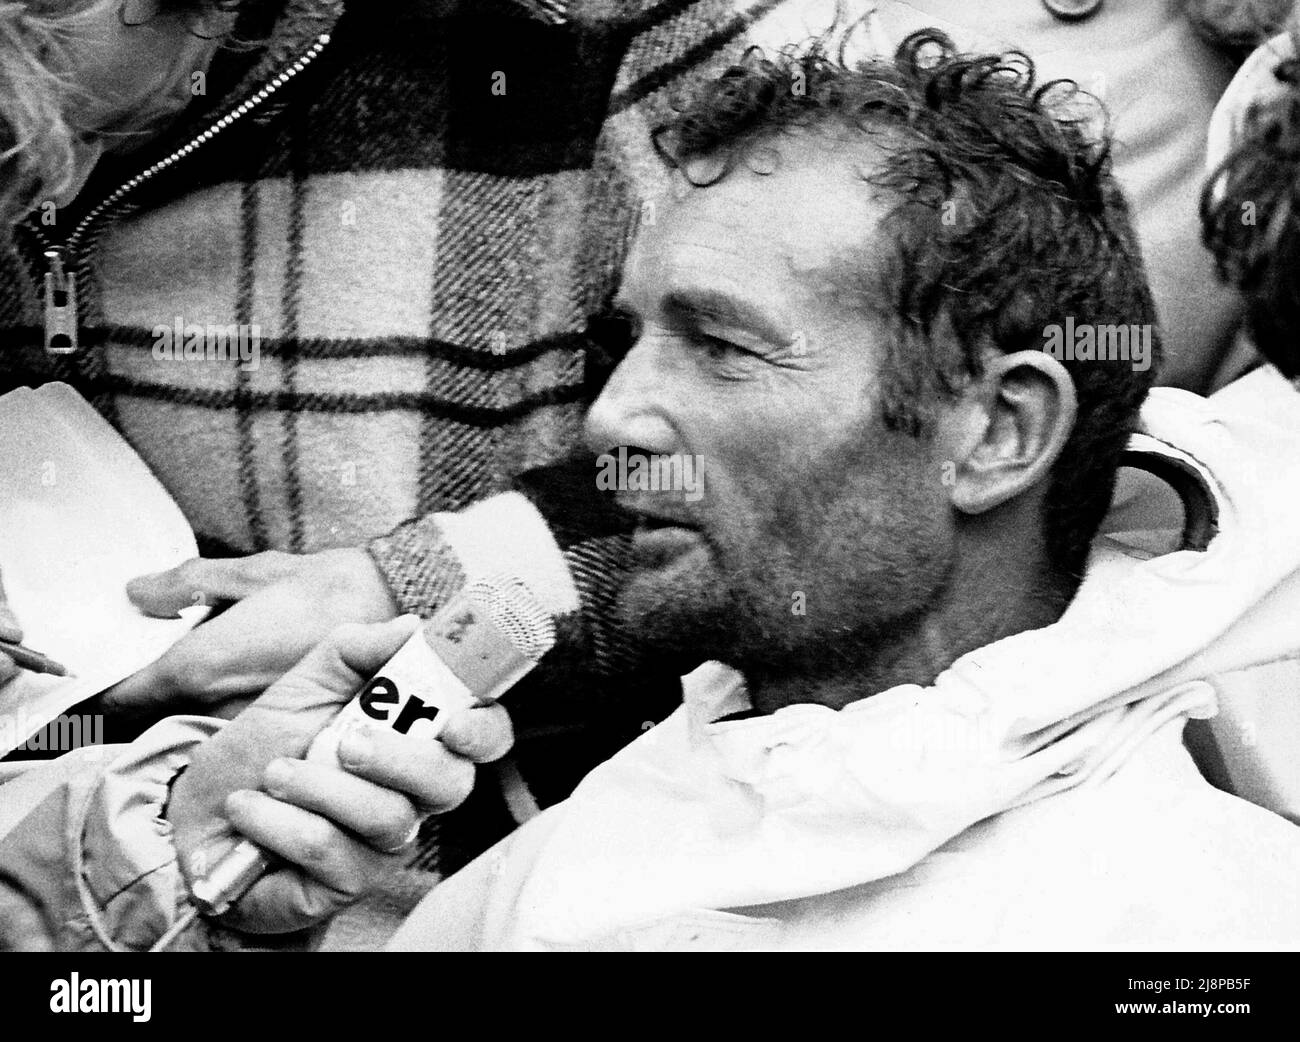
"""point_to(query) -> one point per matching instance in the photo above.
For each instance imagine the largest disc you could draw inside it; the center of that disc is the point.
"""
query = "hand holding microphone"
(335, 825)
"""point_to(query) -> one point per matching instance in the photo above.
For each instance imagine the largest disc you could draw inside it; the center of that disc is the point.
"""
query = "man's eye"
(720, 350)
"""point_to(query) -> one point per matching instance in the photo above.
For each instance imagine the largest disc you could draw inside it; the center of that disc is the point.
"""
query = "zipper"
(60, 306)
(60, 284)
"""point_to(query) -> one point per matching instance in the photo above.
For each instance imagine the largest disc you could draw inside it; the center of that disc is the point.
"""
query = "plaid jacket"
(421, 209)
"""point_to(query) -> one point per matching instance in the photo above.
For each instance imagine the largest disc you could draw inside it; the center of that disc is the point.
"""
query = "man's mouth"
(650, 523)
(657, 516)
(661, 535)
(659, 541)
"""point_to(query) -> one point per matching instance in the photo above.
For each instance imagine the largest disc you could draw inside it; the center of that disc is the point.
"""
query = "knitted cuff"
(426, 561)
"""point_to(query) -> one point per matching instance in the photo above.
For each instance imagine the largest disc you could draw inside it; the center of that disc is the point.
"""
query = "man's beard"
(790, 599)
(686, 615)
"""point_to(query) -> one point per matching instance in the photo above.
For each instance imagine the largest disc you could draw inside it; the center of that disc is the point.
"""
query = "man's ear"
(1010, 430)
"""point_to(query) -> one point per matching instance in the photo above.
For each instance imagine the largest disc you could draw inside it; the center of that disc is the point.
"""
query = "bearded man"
(943, 712)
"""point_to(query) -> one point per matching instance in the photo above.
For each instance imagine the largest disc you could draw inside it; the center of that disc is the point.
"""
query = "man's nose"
(631, 409)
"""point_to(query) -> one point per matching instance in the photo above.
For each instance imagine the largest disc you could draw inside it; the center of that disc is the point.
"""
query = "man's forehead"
(803, 210)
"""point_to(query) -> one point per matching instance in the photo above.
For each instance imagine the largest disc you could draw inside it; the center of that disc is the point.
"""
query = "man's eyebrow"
(700, 303)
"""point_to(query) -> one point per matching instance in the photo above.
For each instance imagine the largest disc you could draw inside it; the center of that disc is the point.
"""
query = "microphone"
(477, 647)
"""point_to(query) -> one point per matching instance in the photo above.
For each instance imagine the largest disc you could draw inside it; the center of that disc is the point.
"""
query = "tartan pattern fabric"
(423, 259)
(422, 295)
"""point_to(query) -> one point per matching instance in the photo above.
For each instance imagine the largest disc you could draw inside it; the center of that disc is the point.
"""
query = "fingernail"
(277, 775)
(356, 747)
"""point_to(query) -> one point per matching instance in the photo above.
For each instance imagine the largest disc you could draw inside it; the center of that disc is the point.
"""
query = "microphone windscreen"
(516, 612)
(506, 534)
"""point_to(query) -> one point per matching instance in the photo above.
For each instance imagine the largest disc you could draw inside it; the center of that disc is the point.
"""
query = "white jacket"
(1037, 795)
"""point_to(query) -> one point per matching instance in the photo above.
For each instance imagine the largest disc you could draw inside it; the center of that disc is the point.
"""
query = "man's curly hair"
(1250, 221)
(1005, 220)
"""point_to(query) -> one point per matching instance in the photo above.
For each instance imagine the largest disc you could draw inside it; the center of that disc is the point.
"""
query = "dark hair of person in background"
(1250, 220)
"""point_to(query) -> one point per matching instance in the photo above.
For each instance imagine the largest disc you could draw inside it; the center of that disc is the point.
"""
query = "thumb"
(337, 668)
(203, 581)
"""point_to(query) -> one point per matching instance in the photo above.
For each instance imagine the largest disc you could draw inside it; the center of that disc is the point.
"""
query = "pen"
(33, 660)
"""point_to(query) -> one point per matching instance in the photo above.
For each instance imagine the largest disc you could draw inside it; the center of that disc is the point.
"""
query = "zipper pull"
(60, 307)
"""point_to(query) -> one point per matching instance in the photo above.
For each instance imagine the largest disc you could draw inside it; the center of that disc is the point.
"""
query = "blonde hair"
(42, 45)
(36, 148)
